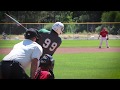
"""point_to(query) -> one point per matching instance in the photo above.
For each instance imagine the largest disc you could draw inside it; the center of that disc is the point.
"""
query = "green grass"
(97, 65)
(67, 43)
(1, 56)
(87, 66)
(8, 43)
(88, 43)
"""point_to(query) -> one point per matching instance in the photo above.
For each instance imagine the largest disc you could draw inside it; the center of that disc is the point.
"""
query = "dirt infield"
(71, 50)
(80, 50)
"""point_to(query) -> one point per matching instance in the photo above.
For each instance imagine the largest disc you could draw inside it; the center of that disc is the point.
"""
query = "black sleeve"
(52, 75)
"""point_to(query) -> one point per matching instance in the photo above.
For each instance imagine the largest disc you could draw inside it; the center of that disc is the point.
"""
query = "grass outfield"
(87, 66)
(67, 43)
(105, 65)
(88, 43)
(8, 43)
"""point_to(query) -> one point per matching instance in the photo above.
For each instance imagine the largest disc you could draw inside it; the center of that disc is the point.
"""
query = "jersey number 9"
(47, 43)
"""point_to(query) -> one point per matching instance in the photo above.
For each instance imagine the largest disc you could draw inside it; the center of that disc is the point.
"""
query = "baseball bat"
(16, 21)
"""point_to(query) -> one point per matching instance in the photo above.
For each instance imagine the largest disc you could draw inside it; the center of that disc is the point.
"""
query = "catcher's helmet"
(31, 32)
(46, 61)
(58, 27)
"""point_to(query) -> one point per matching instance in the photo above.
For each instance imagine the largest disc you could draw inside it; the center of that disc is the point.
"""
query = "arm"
(35, 60)
(34, 65)
(99, 36)
(107, 37)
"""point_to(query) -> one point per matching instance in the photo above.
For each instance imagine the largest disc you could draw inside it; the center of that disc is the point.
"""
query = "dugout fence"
(87, 30)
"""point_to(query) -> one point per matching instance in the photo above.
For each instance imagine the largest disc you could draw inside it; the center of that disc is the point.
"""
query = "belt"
(13, 61)
(10, 61)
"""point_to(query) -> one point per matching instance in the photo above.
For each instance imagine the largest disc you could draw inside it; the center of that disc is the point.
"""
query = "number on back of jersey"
(48, 42)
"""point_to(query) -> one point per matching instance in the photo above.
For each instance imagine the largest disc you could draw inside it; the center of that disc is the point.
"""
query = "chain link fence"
(87, 31)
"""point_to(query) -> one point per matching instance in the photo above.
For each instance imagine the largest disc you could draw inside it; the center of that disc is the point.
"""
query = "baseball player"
(23, 54)
(45, 70)
(50, 40)
(4, 35)
(104, 36)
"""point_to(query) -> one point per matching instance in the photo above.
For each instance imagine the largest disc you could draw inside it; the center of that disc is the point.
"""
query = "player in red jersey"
(104, 36)
(45, 70)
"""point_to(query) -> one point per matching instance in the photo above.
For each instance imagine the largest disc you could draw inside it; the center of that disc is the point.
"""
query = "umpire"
(23, 54)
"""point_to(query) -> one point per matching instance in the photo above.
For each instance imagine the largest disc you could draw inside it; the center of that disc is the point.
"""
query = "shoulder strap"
(37, 74)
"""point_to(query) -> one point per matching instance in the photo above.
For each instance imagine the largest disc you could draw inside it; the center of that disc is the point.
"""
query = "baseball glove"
(107, 38)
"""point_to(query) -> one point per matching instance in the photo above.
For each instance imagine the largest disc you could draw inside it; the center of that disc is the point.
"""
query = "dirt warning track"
(71, 50)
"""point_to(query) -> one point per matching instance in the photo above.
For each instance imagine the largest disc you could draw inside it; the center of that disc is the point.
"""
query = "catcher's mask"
(47, 61)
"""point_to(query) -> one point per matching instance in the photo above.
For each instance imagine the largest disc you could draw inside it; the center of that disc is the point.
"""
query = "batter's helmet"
(31, 32)
(58, 27)
(46, 61)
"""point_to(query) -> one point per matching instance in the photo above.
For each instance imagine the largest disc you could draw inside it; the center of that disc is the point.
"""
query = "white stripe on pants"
(101, 41)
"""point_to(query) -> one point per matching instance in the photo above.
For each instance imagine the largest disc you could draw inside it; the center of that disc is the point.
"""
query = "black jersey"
(49, 40)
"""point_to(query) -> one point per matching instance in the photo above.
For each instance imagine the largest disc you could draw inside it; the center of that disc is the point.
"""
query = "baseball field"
(80, 59)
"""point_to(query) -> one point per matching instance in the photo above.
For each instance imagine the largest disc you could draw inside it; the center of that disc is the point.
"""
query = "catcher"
(104, 36)
(45, 70)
